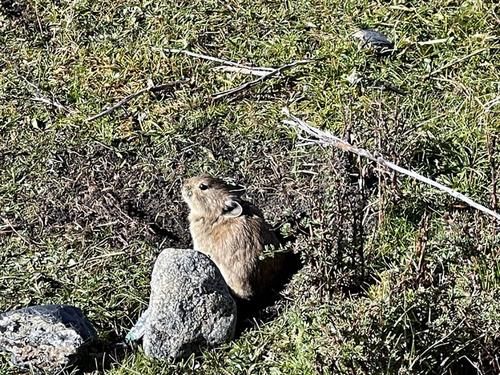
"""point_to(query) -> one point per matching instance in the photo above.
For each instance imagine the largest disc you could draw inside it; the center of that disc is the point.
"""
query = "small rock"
(46, 337)
(190, 306)
(309, 25)
(374, 40)
(354, 78)
(139, 328)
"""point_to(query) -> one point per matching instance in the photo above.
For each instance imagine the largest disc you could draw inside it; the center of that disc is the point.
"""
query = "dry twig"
(216, 59)
(128, 98)
(13, 229)
(328, 139)
(248, 71)
(53, 103)
(42, 99)
(256, 81)
(263, 72)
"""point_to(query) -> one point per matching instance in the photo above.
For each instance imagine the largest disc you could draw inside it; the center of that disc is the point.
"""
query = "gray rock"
(374, 40)
(138, 330)
(46, 336)
(190, 306)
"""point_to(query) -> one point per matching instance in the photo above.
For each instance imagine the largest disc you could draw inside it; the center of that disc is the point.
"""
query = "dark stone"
(374, 40)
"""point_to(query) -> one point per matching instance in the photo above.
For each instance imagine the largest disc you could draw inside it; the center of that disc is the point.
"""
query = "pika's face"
(208, 196)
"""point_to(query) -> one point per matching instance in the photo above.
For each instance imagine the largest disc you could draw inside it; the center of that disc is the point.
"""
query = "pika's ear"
(232, 208)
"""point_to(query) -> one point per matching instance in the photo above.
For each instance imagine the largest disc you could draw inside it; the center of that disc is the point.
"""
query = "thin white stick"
(215, 59)
(327, 138)
(53, 103)
(263, 72)
(234, 69)
(256, 81)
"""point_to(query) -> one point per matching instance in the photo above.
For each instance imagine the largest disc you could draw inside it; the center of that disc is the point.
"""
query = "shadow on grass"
(102, 355)
(264, 309)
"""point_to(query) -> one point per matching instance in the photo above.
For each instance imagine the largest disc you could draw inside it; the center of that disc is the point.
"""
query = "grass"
(397, 277)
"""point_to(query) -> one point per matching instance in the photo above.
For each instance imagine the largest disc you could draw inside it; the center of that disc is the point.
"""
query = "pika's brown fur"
(233, 233)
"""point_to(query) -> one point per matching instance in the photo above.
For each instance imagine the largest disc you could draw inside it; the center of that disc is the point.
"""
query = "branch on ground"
(326, 138)
(53, 103)
(250, 84)
(128, 98)
(216, 59)
(246, 71)
(263, 73)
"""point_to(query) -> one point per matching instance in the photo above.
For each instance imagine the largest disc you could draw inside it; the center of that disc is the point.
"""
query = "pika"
(233, 233)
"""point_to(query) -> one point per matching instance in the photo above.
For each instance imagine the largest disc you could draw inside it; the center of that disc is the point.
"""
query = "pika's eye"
(203, 186)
